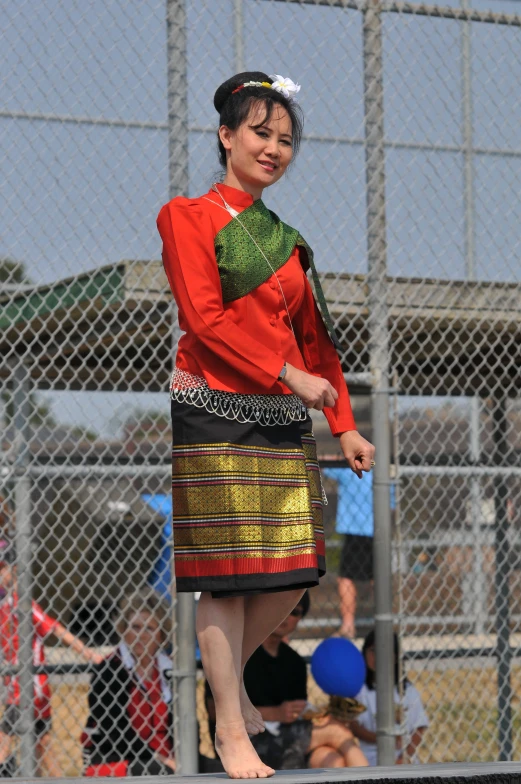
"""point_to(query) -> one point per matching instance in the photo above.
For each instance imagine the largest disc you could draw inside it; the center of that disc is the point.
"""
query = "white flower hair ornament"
(281, 84)
(284, 85)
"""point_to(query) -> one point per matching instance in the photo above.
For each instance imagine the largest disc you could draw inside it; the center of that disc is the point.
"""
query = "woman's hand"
(315, 392)
(358, 452)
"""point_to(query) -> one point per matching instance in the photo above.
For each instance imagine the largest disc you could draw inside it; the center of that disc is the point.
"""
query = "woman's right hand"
(314, 391)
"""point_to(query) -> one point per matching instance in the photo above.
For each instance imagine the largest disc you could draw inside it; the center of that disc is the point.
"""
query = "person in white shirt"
(411, 719)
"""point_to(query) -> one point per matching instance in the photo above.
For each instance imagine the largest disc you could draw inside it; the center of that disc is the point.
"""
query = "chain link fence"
(407, 188)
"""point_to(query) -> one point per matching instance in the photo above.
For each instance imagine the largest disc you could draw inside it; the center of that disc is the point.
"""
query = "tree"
(13, 272)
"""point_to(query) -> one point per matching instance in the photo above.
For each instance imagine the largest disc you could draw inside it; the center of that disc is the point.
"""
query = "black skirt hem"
(259, 591)
(226, 586)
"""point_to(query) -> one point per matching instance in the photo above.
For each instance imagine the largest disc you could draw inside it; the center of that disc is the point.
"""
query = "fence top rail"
(447, 12)
(419, 9)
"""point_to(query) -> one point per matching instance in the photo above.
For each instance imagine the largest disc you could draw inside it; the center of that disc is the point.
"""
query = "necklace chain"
(235, 216)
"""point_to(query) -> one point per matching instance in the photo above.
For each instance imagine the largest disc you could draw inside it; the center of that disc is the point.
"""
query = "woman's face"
(370, 658)
(258, 157)
(142, 635)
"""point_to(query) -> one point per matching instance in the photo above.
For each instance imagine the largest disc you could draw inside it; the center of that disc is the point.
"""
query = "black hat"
(224, 90)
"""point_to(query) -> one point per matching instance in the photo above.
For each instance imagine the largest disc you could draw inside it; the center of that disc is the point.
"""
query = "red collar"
(233, 196)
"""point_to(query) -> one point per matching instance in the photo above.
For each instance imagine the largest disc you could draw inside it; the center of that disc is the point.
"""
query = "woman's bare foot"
(238, 757)
(253, 720)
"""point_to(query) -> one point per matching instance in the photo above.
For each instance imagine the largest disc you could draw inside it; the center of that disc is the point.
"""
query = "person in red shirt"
(44, 626)
(257, 351)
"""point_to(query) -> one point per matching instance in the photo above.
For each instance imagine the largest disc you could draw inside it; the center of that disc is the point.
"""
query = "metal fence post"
(184, 678)
(468, 151)
(475, 585)
(177, 93)
(184, 672)
(501, 579)
(22, 495)
(478, 591)
(238, 19)
(379, 359)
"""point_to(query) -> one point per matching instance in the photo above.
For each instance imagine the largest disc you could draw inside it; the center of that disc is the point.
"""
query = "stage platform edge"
(481, 773)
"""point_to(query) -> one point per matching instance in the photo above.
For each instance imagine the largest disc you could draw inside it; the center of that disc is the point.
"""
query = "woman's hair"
(370, 675)
(234, 107)
(147, 601)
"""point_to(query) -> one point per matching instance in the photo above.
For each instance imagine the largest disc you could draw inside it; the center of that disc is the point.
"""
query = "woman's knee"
(336, 761)
(326, 757)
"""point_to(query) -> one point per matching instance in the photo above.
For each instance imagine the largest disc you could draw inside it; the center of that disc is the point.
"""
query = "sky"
(75, 195)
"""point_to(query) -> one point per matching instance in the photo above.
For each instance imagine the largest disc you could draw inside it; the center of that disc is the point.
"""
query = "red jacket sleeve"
(191, 268)
(43, 623)
(321, 359)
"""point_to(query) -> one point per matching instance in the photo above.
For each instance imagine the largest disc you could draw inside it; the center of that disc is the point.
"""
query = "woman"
(254, 356)
(413, 724)
(129, 729)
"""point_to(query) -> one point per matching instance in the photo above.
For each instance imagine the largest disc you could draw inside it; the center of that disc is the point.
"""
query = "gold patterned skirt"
(247, 505)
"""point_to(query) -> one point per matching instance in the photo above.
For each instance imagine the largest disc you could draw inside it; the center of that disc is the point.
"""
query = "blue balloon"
(338, 667)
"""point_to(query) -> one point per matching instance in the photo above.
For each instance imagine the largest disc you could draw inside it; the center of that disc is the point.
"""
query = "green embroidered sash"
(242, 267)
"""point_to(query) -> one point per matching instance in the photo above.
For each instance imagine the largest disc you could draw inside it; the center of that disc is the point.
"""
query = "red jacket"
(240, 346)
(9, 643)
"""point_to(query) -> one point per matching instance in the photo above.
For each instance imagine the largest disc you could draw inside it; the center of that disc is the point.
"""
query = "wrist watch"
(283, 372)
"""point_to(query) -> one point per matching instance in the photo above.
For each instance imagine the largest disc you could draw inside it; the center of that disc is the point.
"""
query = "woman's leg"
(220, 631)
(262, 614)
(337, 736)
(325, 757)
